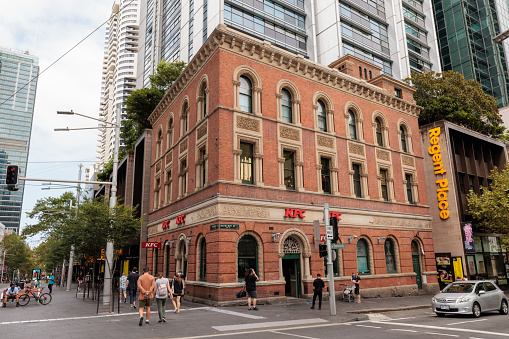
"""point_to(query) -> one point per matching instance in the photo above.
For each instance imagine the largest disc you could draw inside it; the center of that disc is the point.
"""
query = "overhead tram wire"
(54, 62)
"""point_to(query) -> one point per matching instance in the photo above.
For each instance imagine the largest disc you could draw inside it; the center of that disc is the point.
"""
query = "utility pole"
(330, 268)
(3, 267)
(71, 255)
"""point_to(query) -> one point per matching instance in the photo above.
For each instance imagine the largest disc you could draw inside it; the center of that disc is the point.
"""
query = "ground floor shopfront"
(214, 243)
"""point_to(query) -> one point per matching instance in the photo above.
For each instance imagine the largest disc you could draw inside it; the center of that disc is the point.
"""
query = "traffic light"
(335, 229)
(11, 178)
(322, 250)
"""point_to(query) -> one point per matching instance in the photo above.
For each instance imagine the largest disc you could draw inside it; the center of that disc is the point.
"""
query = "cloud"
(53, 27)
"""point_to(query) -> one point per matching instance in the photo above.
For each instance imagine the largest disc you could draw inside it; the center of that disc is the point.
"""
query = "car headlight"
(463, 300)
(433, 300)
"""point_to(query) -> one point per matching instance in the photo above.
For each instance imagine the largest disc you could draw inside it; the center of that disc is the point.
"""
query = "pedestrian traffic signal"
(322, 250)
(11, 179)
(335, 229)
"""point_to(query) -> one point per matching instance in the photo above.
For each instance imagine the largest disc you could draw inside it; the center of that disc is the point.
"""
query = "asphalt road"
(69, 317)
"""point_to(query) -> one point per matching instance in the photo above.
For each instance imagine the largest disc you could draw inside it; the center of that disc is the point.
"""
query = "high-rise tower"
(17, 99)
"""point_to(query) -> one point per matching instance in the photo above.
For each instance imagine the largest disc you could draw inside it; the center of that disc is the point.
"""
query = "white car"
(470, 297)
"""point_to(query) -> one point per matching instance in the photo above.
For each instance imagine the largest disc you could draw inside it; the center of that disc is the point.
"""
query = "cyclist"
(12, 292)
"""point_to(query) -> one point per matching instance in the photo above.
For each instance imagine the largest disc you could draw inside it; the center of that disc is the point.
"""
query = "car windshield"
(459, 288)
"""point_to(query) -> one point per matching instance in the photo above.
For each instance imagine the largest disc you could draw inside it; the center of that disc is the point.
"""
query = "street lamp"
(113, 194)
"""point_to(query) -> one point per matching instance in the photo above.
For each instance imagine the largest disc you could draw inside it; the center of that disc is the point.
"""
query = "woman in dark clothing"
(178, 285)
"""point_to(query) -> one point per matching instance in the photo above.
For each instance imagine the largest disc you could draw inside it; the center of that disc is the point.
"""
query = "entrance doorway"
(291, 272)
(416, 264)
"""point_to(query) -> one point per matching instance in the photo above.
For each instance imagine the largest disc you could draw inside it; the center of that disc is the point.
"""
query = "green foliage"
(490, 209)
(166, 74)
(18, 254)
(140, 104)
(449, 96)
(130, 134)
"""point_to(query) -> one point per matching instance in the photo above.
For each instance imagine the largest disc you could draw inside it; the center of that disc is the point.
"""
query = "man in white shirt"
(11, 292)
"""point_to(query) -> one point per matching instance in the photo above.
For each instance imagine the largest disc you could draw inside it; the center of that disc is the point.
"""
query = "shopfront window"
(247, 256)
(363, 257)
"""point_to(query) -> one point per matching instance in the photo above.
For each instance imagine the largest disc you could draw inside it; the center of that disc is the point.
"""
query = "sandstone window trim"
(257, 159)
(168, 184)
(363, 178)
(159, 142)
(256, 86)
(411, 187)
(352, 109)
(328, 110)
(294, 101)
(157, 191)
(380, 130)
(397, 264)
(169, 131)
(297, 166)
(333, 172)
(389, 179)
(184, 116)
(202, 98)
(369, 255)
(404, 131)
(201, 166)
(183, 177)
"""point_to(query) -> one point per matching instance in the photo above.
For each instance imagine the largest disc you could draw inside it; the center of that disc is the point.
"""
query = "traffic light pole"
(330, 268)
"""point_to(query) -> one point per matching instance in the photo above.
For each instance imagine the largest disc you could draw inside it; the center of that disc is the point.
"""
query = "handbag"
(241, 294)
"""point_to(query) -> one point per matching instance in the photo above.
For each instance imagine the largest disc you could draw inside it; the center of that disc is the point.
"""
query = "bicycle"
(42, 298)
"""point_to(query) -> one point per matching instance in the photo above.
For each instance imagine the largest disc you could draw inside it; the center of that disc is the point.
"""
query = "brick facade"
(198, 184)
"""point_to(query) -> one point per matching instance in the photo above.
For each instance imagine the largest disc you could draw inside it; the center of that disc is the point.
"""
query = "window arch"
(405, 137)
(169, 132)
(353, 121)
(202, 259)
(380, 130)
(352, 124)
(363, 257)
(247, 256)
(246, 94)
(322, 116)
(286, 106)
(251, 83)
(288, 102)
(390, 256)
(202, 98)
(184, 117)
(159, 142)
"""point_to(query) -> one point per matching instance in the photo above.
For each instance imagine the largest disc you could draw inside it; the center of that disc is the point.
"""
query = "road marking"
(402, 330)
(238, 314)
(268, 324)
(293, 335)
(396, 319)
(369, 326)
(441, 328)
(468, 321)
(378, 316)
(444, 334)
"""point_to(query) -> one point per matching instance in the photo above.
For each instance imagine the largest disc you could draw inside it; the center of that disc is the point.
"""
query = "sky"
(48, 29)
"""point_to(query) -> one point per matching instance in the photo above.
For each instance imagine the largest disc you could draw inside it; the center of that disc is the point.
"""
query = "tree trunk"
(93, 279)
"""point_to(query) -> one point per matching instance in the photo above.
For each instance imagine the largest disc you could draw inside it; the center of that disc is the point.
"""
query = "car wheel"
(476, 310)
(440, 314)
(503, 307)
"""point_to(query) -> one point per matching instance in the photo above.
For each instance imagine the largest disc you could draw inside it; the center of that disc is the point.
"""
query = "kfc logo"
(293, 213)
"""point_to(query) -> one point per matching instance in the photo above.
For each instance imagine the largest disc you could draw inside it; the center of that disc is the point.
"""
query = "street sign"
(316, 233)
(336, 246)
(150, 244)
(329, 232)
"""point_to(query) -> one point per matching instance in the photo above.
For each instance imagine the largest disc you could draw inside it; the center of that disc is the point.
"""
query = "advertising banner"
(458, 268)
(468, 235)
(36, 274)
(493, 245)
(444, 268)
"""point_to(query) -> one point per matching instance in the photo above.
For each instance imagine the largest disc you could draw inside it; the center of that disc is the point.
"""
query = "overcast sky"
(48, 29)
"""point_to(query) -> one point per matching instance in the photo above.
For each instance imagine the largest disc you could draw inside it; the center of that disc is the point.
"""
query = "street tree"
(18, 254)
(449, 96)
(490, 209)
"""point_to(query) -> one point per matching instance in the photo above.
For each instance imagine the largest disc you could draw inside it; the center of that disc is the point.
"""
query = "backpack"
(162, 290)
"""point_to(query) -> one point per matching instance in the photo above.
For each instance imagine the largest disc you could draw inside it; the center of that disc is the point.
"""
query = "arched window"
(352, 124)
(370, 75)
(363, 257)
(322, 116)
(286, 106)
(379, 132)
(159, 143)
(360, 71)
(184, 119)
(203, 260)
(204, 104)
(246, 95)
(403, 139)
(169, 134)
(390, 256)
(247, 256)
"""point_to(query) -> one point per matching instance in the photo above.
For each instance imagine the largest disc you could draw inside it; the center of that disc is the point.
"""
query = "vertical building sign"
(438, 166)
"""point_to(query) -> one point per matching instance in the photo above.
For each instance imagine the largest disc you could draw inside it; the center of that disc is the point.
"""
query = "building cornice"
(241, 44)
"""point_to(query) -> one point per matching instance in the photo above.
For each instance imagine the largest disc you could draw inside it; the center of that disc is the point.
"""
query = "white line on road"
(444, 334)
(465, 322)
(402, 330)
(441, 328)
(293, 335)
(238, 314)
(268, 324)
(369, 326)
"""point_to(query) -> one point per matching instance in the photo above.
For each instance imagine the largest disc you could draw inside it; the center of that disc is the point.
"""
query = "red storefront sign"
(335, 214)
(322, 237)
(166, 224)
(150, 244)
(180, 219)
(294, 213)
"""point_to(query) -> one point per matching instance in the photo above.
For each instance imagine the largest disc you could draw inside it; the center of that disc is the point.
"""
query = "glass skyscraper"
(17, 98)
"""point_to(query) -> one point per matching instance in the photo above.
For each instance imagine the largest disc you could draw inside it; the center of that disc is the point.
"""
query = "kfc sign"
(151, 244)
(335, 214)
(166, 224)
(294, 213)
(180, 219)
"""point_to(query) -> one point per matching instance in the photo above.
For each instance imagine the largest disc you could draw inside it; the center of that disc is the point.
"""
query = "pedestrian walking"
(162, 290)
(318, 285)
(122, 287)
(356, 279)
(177, 289)
(250, 286)
(51, 281)
(132, 286)
(146, 285)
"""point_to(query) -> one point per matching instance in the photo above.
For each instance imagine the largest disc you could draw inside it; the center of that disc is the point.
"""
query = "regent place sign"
(438, 166)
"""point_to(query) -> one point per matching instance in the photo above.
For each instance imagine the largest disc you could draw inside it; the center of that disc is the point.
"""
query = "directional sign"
(329, 232)
(336, 246)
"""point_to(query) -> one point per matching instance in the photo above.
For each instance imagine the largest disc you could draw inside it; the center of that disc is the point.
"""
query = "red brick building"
(252, 140)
